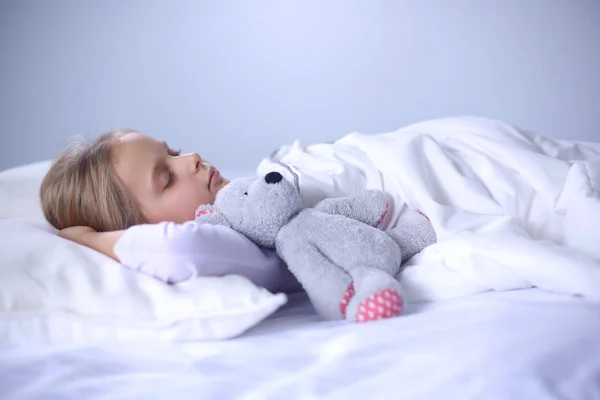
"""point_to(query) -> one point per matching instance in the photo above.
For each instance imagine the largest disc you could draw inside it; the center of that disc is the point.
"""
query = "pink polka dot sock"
(386, 303)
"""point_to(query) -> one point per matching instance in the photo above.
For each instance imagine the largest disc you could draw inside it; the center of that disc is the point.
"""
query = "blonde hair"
(81, 188)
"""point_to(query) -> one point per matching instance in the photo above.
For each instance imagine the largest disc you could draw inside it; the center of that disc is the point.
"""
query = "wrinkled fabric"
(506, 204)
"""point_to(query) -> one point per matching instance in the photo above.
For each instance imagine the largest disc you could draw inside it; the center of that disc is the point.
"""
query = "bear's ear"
(208, 214)
(205, 209)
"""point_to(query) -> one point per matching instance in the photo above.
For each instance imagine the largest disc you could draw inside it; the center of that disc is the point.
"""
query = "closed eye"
(170, 179)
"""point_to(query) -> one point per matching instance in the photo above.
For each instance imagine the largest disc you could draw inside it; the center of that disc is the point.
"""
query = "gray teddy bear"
(347, 266)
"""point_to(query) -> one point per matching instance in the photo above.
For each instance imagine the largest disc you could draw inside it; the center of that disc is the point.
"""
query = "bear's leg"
(373, 294)
(323, 281)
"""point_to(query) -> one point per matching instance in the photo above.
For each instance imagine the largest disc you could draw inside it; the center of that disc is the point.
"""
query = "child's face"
(168, 186)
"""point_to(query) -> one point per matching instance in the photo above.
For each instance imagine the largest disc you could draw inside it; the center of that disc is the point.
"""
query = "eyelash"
(174, 153)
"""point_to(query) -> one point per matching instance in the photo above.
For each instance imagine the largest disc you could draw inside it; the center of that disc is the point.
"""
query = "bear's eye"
(245, 193)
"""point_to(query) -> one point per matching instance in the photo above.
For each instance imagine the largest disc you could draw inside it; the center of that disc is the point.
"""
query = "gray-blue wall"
(235, 79)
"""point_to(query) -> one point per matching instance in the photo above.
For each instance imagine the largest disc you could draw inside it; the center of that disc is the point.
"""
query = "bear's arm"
(367, 206)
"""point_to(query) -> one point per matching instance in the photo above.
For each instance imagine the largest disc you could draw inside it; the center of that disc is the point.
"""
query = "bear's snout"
(273, 177)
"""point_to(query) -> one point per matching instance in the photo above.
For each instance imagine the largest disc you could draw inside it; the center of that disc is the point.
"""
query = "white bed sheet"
(523, 344)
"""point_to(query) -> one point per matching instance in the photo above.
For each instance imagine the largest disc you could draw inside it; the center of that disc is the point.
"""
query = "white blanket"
(511, 208)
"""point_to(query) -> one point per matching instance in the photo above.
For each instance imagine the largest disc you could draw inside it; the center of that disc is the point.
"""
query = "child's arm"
(177, 252)
(103, 242)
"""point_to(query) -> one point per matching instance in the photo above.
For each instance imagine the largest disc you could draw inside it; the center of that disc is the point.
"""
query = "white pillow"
(53, 290)
(19, 191)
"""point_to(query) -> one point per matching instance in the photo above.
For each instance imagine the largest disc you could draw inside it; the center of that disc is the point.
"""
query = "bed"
(491, 332)
(524, 344)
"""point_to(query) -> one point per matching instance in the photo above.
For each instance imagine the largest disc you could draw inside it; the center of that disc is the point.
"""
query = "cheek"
(193, 197)
(179, 205)
(199, 195)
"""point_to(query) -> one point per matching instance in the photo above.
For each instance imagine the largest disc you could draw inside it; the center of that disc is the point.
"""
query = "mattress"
(524, 344)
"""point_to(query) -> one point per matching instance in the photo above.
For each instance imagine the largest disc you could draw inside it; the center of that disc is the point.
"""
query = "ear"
(208, 214)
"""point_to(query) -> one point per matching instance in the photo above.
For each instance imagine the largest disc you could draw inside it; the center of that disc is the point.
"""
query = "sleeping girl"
(485, 186)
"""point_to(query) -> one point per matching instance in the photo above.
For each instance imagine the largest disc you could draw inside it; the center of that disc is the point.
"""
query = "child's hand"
(104, 242)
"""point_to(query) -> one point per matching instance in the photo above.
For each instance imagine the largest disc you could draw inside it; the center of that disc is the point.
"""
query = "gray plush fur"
(327, 247)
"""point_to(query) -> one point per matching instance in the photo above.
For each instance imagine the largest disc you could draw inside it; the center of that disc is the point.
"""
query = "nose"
(273, 177)
(196, 162)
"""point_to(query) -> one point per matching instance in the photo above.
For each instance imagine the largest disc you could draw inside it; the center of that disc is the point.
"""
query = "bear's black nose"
(273, 177)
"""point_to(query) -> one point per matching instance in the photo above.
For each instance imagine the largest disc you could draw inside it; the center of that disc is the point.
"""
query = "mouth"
(213, 176)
